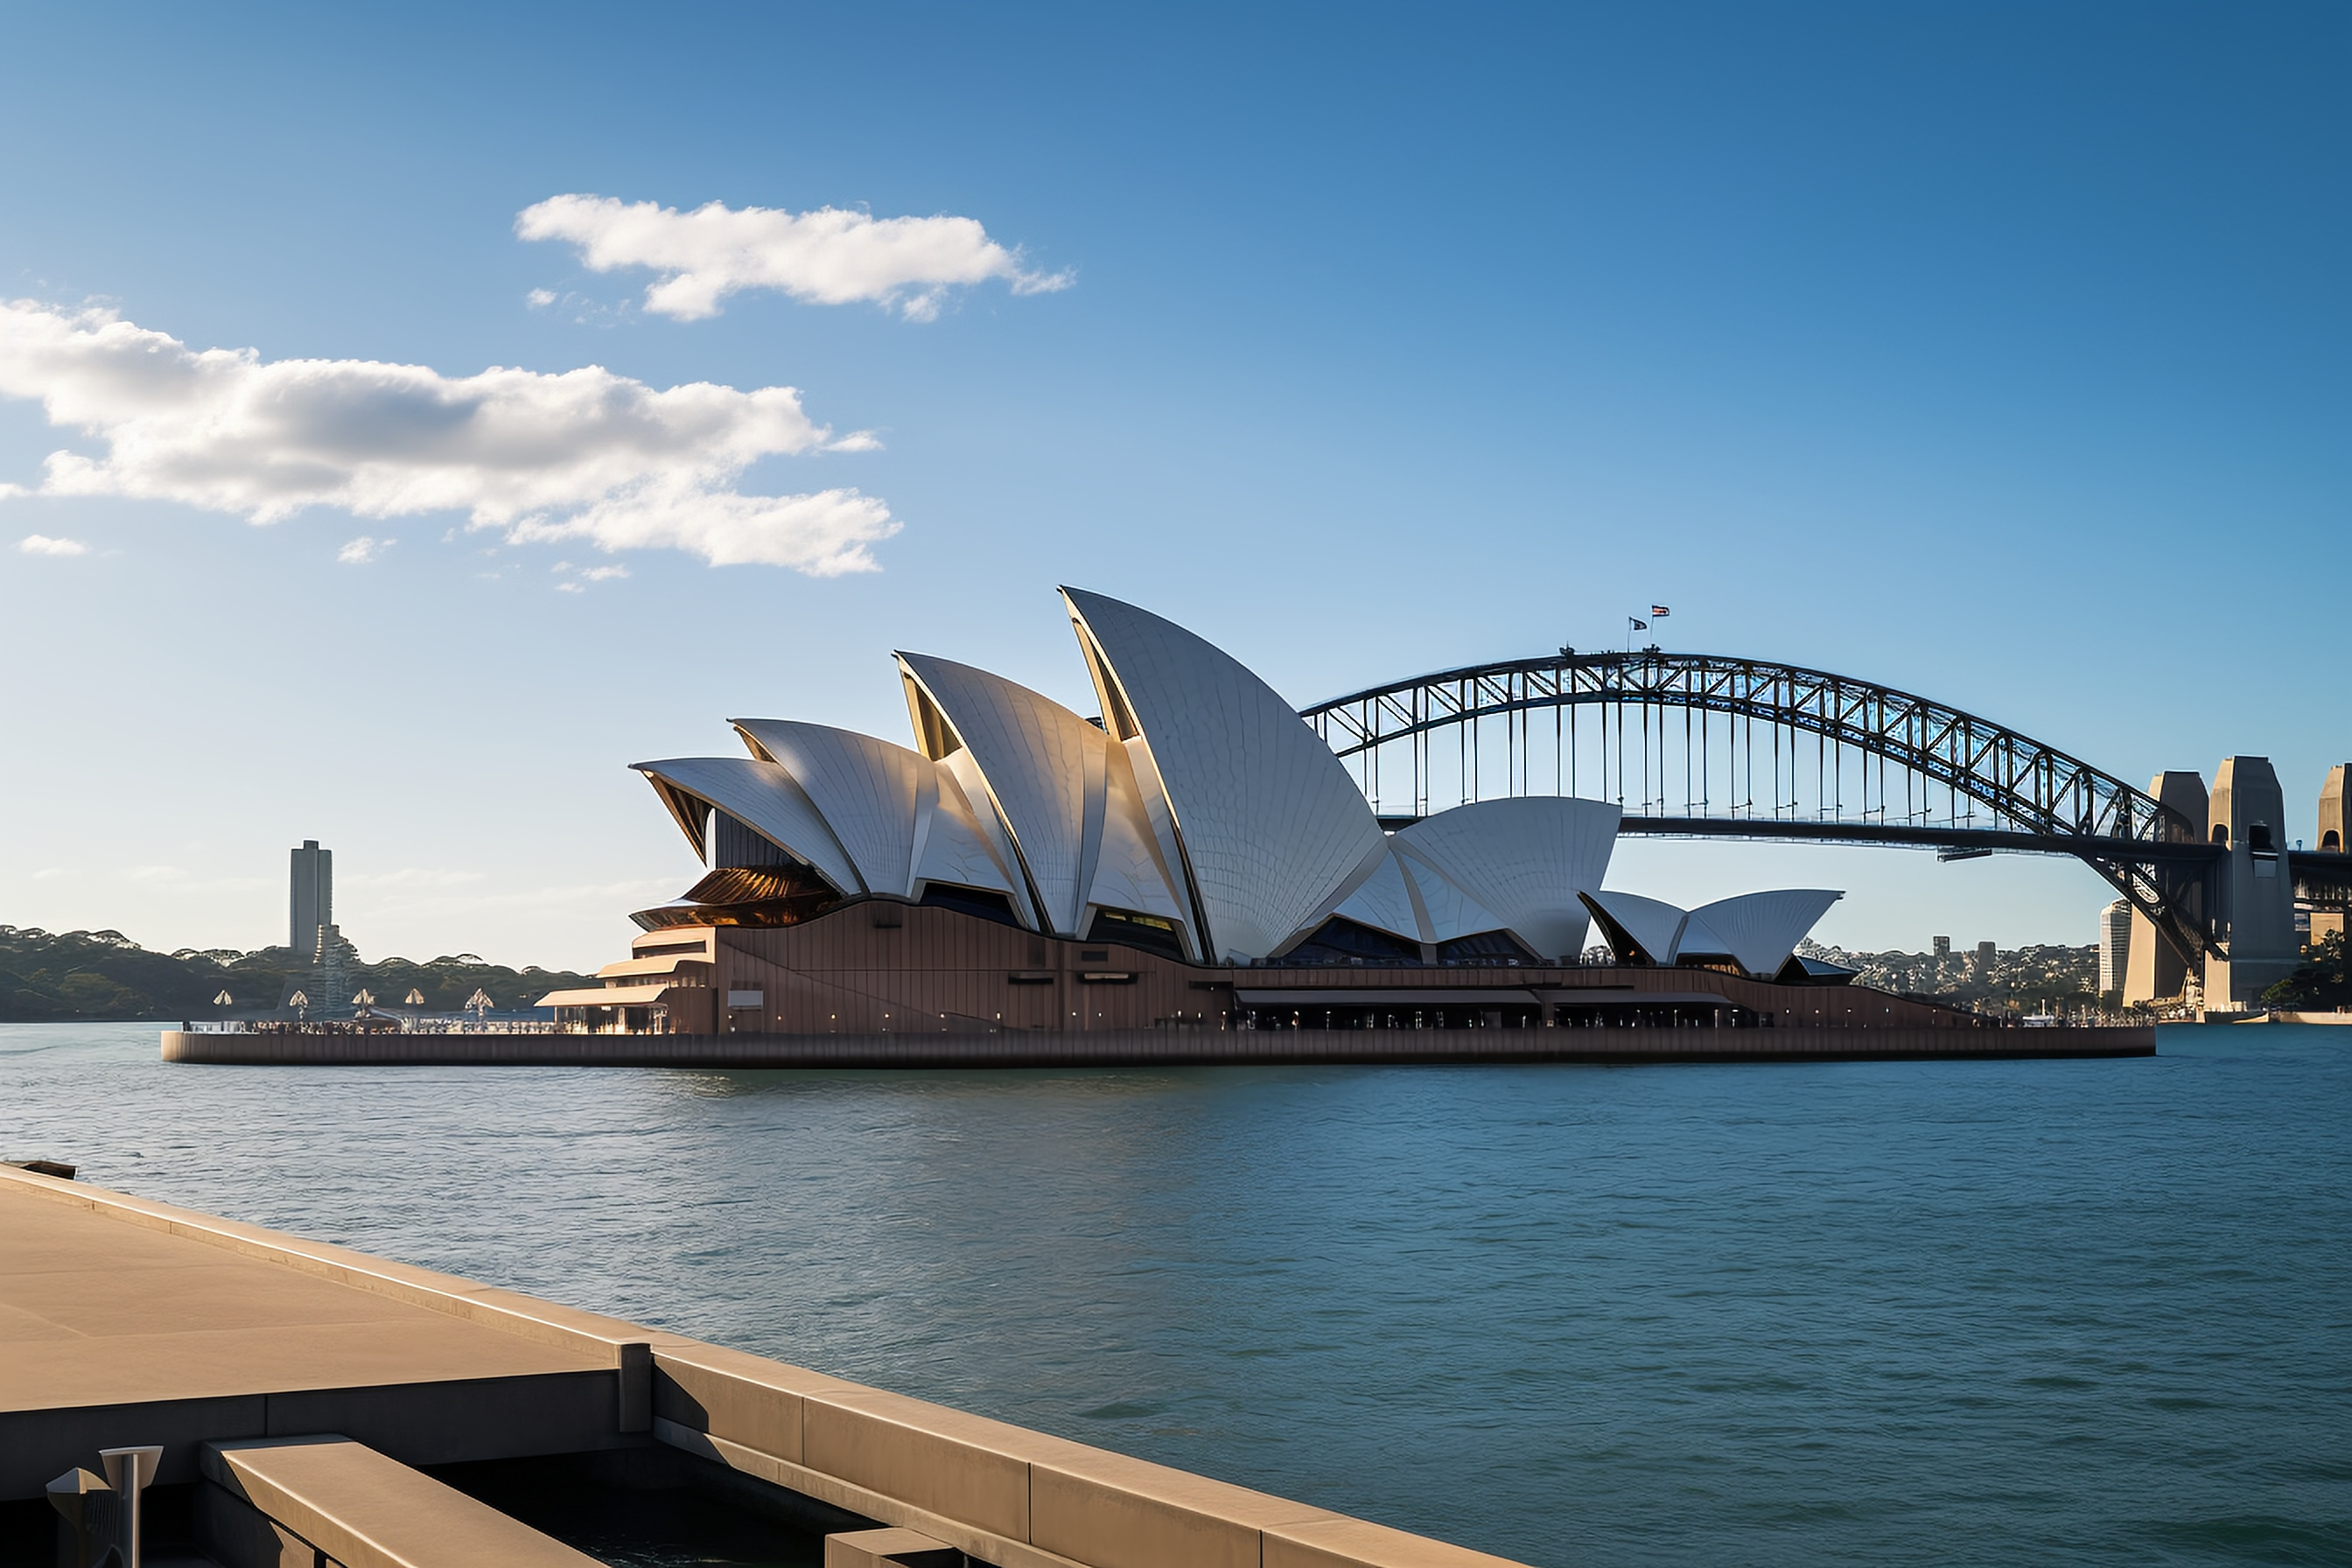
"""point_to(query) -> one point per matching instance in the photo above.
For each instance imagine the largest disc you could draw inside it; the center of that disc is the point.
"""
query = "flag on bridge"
(1658, 610)
(1639, 625)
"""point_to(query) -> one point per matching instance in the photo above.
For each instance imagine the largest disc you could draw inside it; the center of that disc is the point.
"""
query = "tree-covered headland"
(2319, 984)
(104, 975)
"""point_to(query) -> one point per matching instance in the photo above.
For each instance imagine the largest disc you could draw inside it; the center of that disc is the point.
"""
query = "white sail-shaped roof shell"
(1271, 830)
(1756, 930)
(1407, 896)
(1525, 860)
(1448, 909)
(1065, 792)
(884, 804)
(764, 798)
(956, 849)
(870, 792)
(1131, 870)
(1654, 925)
(1389, 902)
(965, 772)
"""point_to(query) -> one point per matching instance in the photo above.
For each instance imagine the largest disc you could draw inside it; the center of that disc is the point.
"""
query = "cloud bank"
(583, 454)
(829, 257)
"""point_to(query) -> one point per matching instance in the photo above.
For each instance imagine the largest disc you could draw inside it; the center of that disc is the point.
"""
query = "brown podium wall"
(881, 967)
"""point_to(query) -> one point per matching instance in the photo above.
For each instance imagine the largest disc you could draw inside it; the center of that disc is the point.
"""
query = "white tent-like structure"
(1755, 932)
(1759, 931)
(1271, 831)
(1199, 817)
(1067, 796)
(1512, 870)
(1643, 931)
(864, 816)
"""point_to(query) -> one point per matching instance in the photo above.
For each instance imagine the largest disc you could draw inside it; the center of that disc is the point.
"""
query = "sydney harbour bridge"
(1702, 745)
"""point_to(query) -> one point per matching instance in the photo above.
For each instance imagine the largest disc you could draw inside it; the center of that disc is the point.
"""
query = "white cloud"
(583, 454)
(364, 551)
(42, 544)
(539, 299)
(578, 575)
(830, 257)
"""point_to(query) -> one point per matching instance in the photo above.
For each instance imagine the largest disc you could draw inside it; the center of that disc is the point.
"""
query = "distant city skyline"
(459, 408)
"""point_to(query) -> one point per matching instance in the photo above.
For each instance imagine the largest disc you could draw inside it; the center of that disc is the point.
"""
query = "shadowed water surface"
(2047, 1312)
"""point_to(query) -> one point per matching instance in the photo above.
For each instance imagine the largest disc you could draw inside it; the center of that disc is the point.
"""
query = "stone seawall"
(298, 1390)
(1156, 1047)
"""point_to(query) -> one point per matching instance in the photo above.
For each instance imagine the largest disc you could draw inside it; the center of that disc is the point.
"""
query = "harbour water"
(1997, 1312)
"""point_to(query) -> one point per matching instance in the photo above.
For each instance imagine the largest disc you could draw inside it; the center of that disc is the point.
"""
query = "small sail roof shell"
(761, 796)
(1651, 925)
(1756, 930)
(1528, 858)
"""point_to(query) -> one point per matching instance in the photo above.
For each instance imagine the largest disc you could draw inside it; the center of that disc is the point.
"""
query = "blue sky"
(1997, 353)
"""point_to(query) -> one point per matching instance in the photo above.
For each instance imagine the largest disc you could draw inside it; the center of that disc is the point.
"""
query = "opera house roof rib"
(1067, 796)
(1271, 830)
(863, 815)
(1199, 817)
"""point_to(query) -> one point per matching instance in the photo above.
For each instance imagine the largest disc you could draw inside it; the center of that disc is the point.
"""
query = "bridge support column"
(2334, 837)
(2258, 936)
(2155, 970)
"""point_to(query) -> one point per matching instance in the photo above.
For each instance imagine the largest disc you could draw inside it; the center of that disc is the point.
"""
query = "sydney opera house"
(1193, 857)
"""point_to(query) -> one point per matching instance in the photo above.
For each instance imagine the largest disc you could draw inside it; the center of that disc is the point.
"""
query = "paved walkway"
(95, 1311)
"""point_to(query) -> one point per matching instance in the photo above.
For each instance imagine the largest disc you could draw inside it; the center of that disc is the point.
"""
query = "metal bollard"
(131, 1471)
(90, 1512)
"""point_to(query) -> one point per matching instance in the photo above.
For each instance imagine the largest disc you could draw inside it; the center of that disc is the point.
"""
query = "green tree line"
(104, 975)
(2319, 984)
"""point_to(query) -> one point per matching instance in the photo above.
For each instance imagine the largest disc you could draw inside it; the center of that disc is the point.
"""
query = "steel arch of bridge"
(2034, 797)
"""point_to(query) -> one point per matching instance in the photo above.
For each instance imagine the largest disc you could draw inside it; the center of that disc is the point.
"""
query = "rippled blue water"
(2031, 1312)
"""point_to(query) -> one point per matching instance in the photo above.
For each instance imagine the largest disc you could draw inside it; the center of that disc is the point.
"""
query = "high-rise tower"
(311, 900)
(2115, 945)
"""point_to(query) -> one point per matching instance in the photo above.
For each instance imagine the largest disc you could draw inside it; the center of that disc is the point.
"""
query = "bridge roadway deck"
(126, 1321)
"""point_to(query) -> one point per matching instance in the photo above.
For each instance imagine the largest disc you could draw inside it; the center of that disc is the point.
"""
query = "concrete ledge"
(544, 1322)
(1003, 1551)
(877, 1548)
(744, 1398)
(1116, 1512)
(366, 1510)
(1359, 1543)
(942, 1462)
(1006, 1495)
(36, 1445)
(236, 1534)
(1162, 1048)
(442, 1423)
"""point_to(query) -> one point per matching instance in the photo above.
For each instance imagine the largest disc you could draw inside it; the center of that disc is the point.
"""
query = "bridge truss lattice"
(1705, 745)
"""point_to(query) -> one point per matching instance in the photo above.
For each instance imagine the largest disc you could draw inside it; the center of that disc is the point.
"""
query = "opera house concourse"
(1196, 857)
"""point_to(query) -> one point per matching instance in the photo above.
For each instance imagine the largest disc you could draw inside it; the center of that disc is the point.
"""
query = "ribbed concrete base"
(1154, 1048)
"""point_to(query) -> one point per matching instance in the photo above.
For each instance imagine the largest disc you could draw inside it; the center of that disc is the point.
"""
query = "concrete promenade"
(1160, 1047)
(296, 1387)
